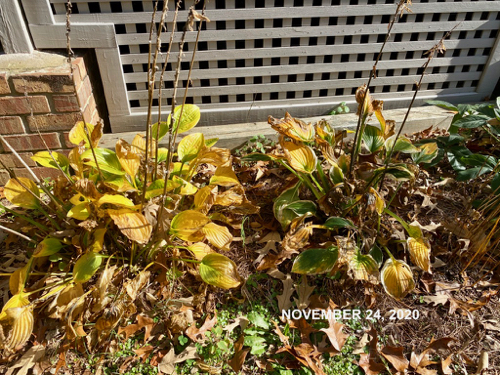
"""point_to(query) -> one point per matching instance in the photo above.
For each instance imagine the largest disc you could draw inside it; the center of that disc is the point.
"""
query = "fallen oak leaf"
(168, 362)
(144, 352)
(240, 354)
(304, 291)
(142, 322)
(335, 334)
(198, 334)
(284, 302)
(27, 361)
(369, 366)
(445, 366)
(396, 357)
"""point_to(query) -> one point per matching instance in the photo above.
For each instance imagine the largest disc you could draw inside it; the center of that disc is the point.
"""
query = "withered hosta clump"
(102, 224)
(348, 207)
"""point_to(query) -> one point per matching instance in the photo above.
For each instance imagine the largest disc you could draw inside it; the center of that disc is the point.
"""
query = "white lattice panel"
(263, 57)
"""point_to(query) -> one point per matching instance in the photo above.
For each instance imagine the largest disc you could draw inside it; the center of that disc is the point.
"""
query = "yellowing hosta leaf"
(379, 202)
(190, 146)
(364, 267)
(78, 134)
(190, 117)
(86, 266)
(214, 155)
(44, 159)
(301, 158)
(218, 235)
(218, 270)
(420, 253)
(129, 160)
(98, 243)
(47, 247)
(204, 198)
(185, 188)
(427, 152)
(200, 249)
(107, 160)
(117, 183)
(159, 130)
(188, 225)
(16, 321)
(16, 280)
(231, 197)
(293, 128)
(79, 198)
(75, 161)
(315, 261)
(224, 176)
(19, 196)
(397, 278)
(132, 224)
(79, 212)
(117, 200)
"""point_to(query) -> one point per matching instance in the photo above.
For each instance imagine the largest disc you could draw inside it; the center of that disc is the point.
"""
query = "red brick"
(65, 141)
(54, 121)
(65, 103)
(17, 105)
(31, 142)
(40, 172)
(79, 71)
(11, 125)
(43, 82)
(11, 161)
(84, 91)
(4, 85)
(89, 110)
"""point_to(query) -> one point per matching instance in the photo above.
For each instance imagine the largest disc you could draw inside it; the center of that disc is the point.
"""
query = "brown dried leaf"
(142, 322)
(284, 302)
(335, 334)
(240, 354)
(198, 334)
(304, 291)
(396, 357)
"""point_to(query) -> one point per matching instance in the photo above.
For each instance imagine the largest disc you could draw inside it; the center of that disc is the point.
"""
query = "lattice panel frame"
(263, 57)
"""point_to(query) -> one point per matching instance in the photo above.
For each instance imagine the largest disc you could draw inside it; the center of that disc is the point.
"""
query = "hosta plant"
(114, 214)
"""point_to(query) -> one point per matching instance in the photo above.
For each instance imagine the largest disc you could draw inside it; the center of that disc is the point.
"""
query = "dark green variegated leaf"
(315, 261)
(397, 172)
(471, 173)
(427, 153)
(373, 138)
(402, 145)
(363, 267)
(338, 222)
(455, 155)
(495, 184)
(281, 214)
(377, 255)
(301, 208)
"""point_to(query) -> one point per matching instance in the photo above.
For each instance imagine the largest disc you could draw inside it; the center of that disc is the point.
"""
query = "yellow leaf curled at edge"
(129, 160)
(132, 224)
(420, 253)
(19, 196)
(200, 249)
(301, 158)
(293, 128)
(205, 198)
(397, 278)
(218, 235)
(224, 176)
(188, 225)
(16, 321)
(219, 270)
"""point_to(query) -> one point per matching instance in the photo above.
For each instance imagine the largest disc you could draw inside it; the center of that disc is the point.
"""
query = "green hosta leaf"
(315, 261)
(336, 174)
(211, 142)
(284, 216)
(257, 157)
(163, 129)
(190, 146)
(441, 104)
(162, 154)
(427, 153)
(471, 121)
(333, 223)
(402, 145)
(373, 138)
(86, 266)
(377, 255)
(301, 208)
(495, 184)
(44, 159)
(107, 159)
(398, 173)
(47, 247)
(219, 270)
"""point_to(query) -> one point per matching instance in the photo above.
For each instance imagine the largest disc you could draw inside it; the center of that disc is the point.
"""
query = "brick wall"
(41, 100)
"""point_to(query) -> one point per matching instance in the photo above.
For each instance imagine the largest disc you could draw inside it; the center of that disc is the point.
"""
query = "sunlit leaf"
(17, 279)
(402, 145)
(116, 200)
(107, 160)
(379, 202)
(162, 132)
(78, 134)
(129, 160)
(293, 128)
(190, 146)
(420, 253)
(205, 198)
(75, 161)
(188, 225)
(16, 321)
(427, 153)
(22, 192)
(219, 270)
(190, 117)
(118, 183)
(302, 207)
(397, 278)
(132, 224)
(336, 174)
(364, 267)
(211, 142)
(301, 158)
(373, 138)
(79, 212)
(44, 159)
(200, 249)
(218, 235)
(224, 176)
(182, 186)
(98, 243)
(86, 266)
(47, 247)
(213, 155)
(315, 261)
